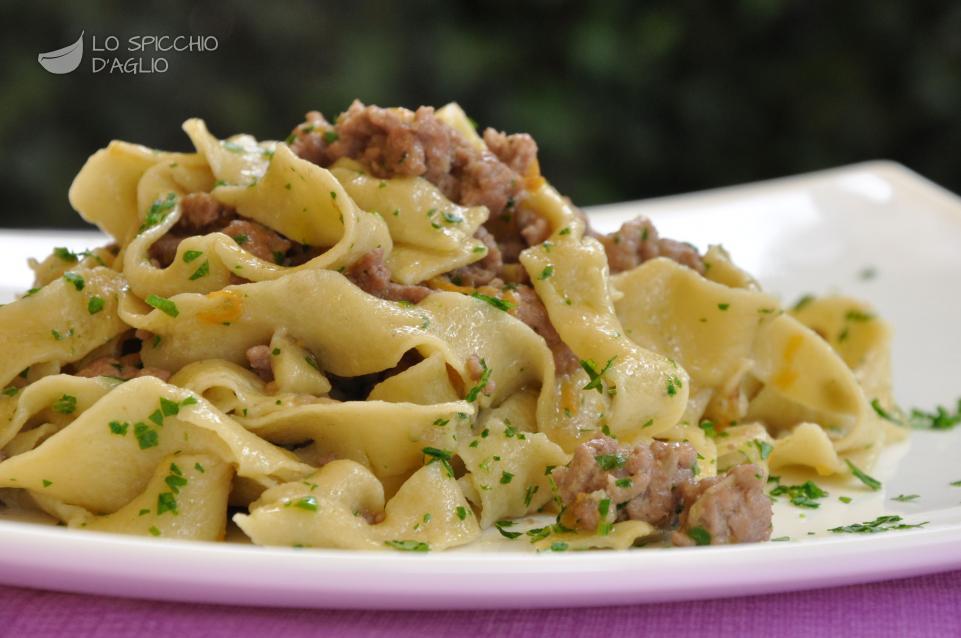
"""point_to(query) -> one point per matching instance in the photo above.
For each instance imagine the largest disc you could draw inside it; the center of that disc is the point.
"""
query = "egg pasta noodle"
(185, 371)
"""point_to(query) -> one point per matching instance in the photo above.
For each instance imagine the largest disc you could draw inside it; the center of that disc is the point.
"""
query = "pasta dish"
(391, 332)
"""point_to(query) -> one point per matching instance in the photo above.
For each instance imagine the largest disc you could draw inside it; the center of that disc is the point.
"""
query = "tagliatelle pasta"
(391, 332)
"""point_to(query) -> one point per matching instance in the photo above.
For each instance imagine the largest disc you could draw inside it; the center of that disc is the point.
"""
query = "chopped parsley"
(11, 391)
(940, 419)
(884, 414)
(441, 422)
(764, 448)
(118, 428)
(163, 305)
(308, 503)
(74, 279)
(624, 482)
(699, 535)
(546, 273)
(199, 468)
(710, 429)
(485, 377)
(461, 512)
(500, 525)
(673, 385)
(440, 456)
(500, 304)
(241, 239)
(408, 546)
(330, 136)
(312, 361)
(47, 483)
(906, 498)
(66, 404)
(845, 499)
(158, 211)
(803, 495)
(870, 481)
(95, 304)
(802, 302)
(202, 271)
(147, 437)
(190, 255)
(506, 477)
(154, 531)
(559, 547)
(603, 508)
(65, 254)
(610, 462)
(595, 375)
(723, 306)
(880, 524)
(166, 502)
(529, 494)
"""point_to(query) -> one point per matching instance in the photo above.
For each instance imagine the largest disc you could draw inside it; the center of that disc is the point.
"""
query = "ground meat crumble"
(656, 483)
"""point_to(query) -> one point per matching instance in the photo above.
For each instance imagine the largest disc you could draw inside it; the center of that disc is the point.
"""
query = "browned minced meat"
(637, 241)
(201, 214)
(371, 274)
(125, 367)
(654, 473)
(482, 272)
(260, 362)
(531, 311)
(391, 142)
(732, 508)
(257, 239)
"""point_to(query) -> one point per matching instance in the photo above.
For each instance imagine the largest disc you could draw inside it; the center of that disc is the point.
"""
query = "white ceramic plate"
(812, 233)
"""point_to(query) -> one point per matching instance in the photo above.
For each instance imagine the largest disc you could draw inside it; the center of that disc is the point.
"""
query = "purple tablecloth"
(924, 606)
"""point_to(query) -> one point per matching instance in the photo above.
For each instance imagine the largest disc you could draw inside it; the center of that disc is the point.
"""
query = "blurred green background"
(626, 99)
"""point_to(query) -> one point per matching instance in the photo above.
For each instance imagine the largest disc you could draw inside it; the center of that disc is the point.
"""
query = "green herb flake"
(804, 495)
(884, 414)
(66, 404)
(845, 499)
(506, 477)
(529, 494)
(441, 422)
(870, 481)
(158, 211)
(330, 136)
(118, 428)
(565, 231)
(610, 462)
(199, 468)
(157, 417)
(764, 448)
(307, 503)
(202, 271)
(47, 483)
(674, 384)
(699, 535)
(440, 456)
(624, 482)
(166, 502)
(408, 546)
(596, 376)
(154, 531)
(461, 512)
(65, 254)
(75, 280)
(940, 419)
(485, 377)
(147, 437)
(546, 273)
(880, 524)
(801, 303)
(500, 304)
(163, 305)
(95, 304)
(723, 306)
(559, 547)
(10, 391)
(500, 525)
(191, 255)
(906, 498)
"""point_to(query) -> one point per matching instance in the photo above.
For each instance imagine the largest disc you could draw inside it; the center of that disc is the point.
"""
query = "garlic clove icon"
(63, 60)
